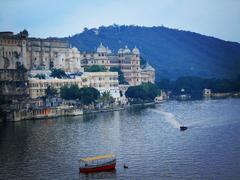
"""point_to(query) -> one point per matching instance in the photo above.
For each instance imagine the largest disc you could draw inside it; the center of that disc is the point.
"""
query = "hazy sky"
(43, 18)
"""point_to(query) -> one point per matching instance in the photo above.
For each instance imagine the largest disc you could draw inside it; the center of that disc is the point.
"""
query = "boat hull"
(183, 128)
(99, 168)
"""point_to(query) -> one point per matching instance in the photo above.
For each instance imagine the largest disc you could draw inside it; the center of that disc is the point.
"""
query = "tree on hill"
(58, 73)
(164, 84)
(194, 85)
(95, 68)
(166, 49)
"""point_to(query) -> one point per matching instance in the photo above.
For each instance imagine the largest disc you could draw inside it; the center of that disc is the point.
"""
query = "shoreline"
(112, 109)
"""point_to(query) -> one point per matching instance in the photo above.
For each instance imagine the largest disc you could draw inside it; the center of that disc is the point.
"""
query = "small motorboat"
(98, 163)
(125, 166)
(183, 128)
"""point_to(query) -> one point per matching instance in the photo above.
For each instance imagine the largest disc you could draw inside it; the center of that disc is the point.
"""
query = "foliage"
(58, 73)
(4, 100)
(95, 68)
(145, 91)
(194, 85)
(121, 77)
(40, 76)
(21, 68)
(69, 93)
(164, 84)
(86, 95)
(50, 91)
(106, 98)
(16, 54)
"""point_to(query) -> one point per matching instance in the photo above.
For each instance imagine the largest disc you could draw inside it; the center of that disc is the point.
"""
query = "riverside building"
(36, 53)
(127, 60)
(103, 81)
(39, 56)
(23, 57)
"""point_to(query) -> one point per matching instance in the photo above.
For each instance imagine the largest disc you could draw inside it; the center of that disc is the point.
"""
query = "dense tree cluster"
(106, 98)
(58, 73)
(85, 95)
(195, 85)
(145, 91)
(50, 91)
(95, 68)
(40, 76)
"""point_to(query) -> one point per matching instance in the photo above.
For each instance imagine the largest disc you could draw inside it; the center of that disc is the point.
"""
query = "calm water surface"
(145, 138)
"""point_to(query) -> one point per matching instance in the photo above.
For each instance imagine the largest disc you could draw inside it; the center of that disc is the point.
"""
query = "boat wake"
(170, 118)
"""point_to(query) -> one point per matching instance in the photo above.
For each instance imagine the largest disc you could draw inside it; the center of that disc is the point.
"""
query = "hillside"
(171, 52)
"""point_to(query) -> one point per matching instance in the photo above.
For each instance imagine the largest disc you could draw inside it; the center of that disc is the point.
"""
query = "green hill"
(173, 53)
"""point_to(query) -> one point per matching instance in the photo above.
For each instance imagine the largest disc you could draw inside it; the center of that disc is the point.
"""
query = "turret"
(101, 49)
(135, 51)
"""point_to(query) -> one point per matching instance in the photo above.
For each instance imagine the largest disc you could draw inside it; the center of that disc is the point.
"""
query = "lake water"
(147, 139)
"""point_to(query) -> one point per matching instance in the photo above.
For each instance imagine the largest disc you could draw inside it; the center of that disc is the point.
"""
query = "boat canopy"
(107, 156)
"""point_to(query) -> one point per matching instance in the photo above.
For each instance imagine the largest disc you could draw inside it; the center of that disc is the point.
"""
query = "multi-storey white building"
(128, 61)
(103, 81)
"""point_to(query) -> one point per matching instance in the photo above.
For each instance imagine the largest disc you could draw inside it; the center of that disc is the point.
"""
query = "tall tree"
(50, 91)
(88, 95)
(71, 92)
(121, 77)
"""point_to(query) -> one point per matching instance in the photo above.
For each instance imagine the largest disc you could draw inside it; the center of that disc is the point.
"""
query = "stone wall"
(13, 83)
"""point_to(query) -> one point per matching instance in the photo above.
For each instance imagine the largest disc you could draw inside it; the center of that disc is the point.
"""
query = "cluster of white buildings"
(39, 56)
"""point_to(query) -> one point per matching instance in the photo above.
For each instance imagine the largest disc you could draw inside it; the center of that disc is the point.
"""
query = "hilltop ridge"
(173, 53)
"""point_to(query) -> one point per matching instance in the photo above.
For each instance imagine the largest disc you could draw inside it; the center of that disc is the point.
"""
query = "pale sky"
(59, 18)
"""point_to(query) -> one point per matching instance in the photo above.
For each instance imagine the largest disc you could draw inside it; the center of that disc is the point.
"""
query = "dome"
(120, 51)
(109, 51)
(75, 49)
(148, 67)
(135, 50)
(101, 49)
(126, 50)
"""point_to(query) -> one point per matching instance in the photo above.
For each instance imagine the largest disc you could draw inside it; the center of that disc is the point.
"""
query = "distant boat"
(183, 128)
(97, 163)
